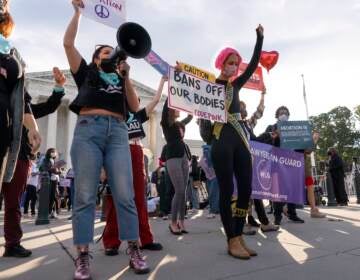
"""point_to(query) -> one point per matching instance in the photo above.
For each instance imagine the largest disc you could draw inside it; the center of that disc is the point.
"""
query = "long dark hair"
(93, 74)
(281, 108)
(48, 152)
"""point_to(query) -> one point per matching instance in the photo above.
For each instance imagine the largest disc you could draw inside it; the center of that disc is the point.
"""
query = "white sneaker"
(211, 216)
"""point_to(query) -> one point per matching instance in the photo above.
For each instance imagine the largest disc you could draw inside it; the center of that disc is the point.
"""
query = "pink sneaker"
(82, 265)
(137, 261)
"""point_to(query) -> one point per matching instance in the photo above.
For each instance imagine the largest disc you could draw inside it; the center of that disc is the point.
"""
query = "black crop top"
(102, 96)
(174, 134)
(240, 81)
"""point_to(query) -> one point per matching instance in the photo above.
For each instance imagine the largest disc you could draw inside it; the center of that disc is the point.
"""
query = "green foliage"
(337, 129)
(357, 112)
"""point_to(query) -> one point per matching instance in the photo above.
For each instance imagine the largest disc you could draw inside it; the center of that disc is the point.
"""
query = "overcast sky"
(319, 38)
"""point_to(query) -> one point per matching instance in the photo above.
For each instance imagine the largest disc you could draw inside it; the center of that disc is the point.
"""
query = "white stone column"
(51, 130)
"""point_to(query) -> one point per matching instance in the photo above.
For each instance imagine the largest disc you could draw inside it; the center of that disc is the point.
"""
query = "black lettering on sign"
(214, 89)
(180, 92)
(186, 80)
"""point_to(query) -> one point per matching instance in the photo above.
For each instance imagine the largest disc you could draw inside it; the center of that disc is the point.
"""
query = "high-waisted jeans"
(102, 141)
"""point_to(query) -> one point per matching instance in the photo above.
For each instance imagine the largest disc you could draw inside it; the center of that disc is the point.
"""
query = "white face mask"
(230, 70)
(283, 118)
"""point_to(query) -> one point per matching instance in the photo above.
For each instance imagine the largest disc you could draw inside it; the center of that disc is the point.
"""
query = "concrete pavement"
(318, 249)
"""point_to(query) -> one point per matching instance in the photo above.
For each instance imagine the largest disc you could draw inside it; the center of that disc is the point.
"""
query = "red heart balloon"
(269, 59)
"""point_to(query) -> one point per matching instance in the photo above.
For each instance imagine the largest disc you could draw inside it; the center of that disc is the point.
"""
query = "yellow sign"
(202, 74)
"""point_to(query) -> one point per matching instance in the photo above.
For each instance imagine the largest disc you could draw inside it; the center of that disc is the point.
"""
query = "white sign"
(196, 96)
(109, 12)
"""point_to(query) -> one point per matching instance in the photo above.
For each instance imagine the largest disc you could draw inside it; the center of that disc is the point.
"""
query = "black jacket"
(39, 110)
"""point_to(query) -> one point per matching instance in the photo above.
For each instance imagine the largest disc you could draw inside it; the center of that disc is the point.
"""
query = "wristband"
(59, 89)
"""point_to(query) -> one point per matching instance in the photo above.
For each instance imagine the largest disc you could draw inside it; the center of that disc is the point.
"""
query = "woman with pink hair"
(230, 148)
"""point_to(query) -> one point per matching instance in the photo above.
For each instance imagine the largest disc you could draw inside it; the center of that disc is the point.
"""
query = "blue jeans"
(192, 195)
(213, 192)
(102, 141)
(212, 185)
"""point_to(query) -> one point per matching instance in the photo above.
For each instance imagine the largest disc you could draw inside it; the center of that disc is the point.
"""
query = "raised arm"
(52, 103)
(165, 114)
(186, 120)
(72, 54)
(242, 79)
(259, 111)
(150, 107)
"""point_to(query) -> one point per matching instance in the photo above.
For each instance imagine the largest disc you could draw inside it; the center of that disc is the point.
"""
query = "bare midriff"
(100, 112)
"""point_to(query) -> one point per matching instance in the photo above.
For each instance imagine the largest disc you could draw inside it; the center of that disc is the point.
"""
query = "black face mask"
(108, 66)
(329, 154)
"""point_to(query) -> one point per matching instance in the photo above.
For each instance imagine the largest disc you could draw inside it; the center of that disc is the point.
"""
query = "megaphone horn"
(134, 40)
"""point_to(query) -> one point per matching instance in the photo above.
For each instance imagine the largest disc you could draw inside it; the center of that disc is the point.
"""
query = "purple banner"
(278, 174)
(158, 63)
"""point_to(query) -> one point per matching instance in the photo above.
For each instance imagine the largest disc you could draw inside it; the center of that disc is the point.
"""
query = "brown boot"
(236, 250)
(252, 253)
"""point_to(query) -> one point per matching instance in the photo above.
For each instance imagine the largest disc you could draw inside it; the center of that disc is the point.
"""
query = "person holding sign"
(177, 163)
(101, 139)
(230, 148)
(249, 125)
(281, 114)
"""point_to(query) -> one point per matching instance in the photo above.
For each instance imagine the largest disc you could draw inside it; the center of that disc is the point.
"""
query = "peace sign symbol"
(102, 11)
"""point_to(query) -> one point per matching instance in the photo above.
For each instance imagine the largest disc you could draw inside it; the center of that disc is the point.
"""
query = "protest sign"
(278, 174)
(256, 81)
(200, 73)
(295, 135)
(109, 12)
(196, 96)
(158, 63)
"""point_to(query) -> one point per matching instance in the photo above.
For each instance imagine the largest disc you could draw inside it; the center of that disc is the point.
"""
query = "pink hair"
(223, 55)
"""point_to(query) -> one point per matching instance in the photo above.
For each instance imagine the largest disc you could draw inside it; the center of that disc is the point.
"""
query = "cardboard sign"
(196, 96)
(109, 12)
(295, 135)
(200, 73)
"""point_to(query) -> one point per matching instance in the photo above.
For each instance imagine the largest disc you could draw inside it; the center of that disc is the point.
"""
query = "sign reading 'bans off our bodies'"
(199, 97)
(109, 12)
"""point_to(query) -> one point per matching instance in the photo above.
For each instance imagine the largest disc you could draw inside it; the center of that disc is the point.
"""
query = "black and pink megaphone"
(133, 40)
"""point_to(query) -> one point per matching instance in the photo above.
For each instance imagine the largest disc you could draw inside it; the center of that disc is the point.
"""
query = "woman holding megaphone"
(101, 139)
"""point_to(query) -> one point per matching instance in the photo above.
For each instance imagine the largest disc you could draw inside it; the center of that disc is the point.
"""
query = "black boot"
(17, 251)
(252, 221)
